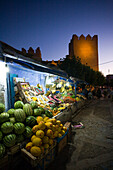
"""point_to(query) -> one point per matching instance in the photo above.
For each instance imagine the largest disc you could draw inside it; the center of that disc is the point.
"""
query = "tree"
(73, 67)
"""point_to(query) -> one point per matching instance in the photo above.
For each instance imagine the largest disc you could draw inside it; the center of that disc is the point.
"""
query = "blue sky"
(50, 24)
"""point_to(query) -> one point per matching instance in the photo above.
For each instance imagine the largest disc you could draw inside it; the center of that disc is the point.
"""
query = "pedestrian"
(98, 94)
(111, 94)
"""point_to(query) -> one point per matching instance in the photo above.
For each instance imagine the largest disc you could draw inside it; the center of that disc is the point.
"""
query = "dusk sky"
(50, 24)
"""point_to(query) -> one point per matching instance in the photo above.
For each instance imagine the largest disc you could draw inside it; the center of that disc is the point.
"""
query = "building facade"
(86, 48)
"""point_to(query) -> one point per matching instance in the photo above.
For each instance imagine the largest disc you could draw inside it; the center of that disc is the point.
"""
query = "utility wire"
(104, 63)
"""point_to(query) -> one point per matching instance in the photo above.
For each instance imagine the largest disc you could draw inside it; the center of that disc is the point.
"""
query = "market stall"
(30, 91)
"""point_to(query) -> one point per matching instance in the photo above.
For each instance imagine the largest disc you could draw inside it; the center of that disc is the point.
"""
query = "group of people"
(90, 92)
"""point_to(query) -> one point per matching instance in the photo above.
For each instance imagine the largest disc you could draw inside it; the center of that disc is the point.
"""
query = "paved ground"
(91, 148)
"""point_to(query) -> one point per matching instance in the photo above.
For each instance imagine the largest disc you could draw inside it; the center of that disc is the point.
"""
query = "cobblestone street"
(91, 148)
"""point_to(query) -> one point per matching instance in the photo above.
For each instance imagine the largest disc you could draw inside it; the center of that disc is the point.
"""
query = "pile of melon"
(16, 124)
(44, 134)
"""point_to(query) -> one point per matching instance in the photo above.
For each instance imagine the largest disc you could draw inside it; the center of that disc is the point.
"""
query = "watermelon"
(7, 127)
(34, 104)
(2, 107)
(19, 138)
(28, 132)
(19, 128)
(28, 109)
(2, 150)
(11, 112)
(41, 110)
(4, 117)
(18, 104)
(30, 121)
(19, 115)
(43, 115)
(48, 113)
(37, 112)
(12, 119)
(1, 135)
(9, 140)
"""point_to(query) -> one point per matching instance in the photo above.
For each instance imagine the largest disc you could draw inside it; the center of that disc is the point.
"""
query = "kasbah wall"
(85, 48)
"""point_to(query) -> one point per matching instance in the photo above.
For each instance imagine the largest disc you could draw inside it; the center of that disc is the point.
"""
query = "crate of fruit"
(23, 86)
(41, 162)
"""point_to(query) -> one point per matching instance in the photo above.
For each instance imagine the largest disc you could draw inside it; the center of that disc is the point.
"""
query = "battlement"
(33, 54)
(82, 37)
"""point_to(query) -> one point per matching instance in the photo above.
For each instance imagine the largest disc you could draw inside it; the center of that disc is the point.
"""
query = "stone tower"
(85, 48)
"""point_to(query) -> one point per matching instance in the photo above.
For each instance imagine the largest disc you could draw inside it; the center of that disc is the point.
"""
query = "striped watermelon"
(18, 104)
(34, 104)
(19, 138)
(7, 127)
(12, 119)
(28, 109)
(28, 132)
(19, 115)
(1, 135)
(9, 140)
(2, 150)
(19, 128)
(4, 117)
(37, 112)
(11, 112)
(30, 121)
(2, 107)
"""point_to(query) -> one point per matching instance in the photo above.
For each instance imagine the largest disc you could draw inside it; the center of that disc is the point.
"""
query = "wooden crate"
(32, 160)
(4, 162)
(43, 161)
(14, 149)
(61, 143)
(68, 126)
(49, 157)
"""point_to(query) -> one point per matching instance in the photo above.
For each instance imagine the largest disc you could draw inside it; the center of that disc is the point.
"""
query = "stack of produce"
(16, 124)
(44, 135)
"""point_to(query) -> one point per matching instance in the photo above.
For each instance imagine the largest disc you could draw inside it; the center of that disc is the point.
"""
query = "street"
(91, 148)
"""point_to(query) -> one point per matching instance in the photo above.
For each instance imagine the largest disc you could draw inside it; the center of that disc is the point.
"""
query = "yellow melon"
(46, 145)
(35, 128)
(45, 139)
(59, 135)
(39, 119)
(41, 125)
(58, 122)
(35, 151)
(50, 141)
(33, 137)
(28, 146)
(53, 128)
(61, 125)
(40, 133)
(49, 132)
(37, 141)
(49, 125)
(46, 118)
(62, 132)
(42, 148)
(59, 129)
(64, 128)
(57, 126)
(55, 134)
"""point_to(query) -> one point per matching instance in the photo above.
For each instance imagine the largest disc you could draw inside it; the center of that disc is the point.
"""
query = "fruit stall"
(36, 103)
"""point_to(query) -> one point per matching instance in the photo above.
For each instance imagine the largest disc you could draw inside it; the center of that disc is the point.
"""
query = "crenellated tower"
(85, 48)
